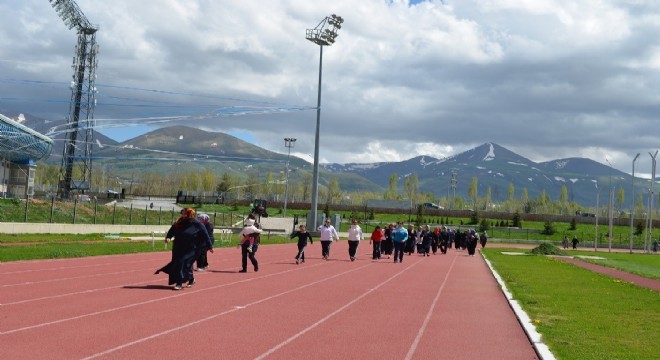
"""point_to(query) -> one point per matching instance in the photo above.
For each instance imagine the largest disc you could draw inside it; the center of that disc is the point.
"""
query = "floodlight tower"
(323, 34)
(78, 154)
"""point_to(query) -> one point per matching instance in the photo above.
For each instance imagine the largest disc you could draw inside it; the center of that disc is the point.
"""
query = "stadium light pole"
(610, 211)
(289, 143)
(597, 198)
(323, 34)
(647, 244)
(632, 203)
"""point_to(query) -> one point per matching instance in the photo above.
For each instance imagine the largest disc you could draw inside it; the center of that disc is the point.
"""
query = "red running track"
(113, 307)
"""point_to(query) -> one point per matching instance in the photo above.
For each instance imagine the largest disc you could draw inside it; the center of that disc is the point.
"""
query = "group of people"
(575, 242)
(193, 237)
(193, 240)
(423, 240)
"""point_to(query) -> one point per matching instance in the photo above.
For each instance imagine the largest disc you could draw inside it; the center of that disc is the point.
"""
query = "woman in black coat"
(190, 236)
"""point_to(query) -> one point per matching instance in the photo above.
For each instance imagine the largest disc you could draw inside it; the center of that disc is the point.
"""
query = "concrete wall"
(46, 228)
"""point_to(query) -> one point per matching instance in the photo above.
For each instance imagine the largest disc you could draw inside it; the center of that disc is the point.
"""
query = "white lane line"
(422, 329)
(75, 267)
(234, 309)
(179, 294)
(316, 324)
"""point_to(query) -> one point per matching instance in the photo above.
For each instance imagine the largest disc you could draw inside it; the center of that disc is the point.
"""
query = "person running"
(412, 240)
(189, 235)
(354, 237)
(483, 239)
(399, 237)
(202, 260)
(376, 237)
(248, 246)
(328, 233)
(303, 235)
(387, 245)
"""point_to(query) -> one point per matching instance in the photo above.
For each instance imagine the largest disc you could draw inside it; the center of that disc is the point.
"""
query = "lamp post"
(632, 203)
(647, 244)
(289, 143)
(597, 198)
(323, 34)
(610, 210)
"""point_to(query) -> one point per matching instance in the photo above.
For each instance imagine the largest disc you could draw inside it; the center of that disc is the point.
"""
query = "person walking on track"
(376, 237)
(303, 235)
(202, 260)
(189, 238)
(354, 237)
(328, 233)
(252, 230)
(399, 236)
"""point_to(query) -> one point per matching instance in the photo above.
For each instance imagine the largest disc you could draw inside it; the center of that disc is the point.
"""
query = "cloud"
(545, 78)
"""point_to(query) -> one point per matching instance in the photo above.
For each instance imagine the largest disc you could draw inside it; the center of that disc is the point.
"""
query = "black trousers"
(376, 252)
(202, 259)
(301, 251)
(245, 254)
(325, 248)
(352, 247)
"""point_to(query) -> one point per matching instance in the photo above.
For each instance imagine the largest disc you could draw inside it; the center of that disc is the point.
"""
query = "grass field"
(582, 314)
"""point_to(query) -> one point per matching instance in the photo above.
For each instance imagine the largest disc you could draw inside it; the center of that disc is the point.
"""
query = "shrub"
(516, 220)
(474, 218)
(548, 249)
(573, 225)
(639, 228)
(548, 228)
(483, 226)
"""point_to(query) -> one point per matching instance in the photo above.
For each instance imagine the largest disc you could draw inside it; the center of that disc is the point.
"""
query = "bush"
(573, 225)
(548, 228)
(639, 228)
(516, 220)
(474, 218)
(483, 226)
(548, 249)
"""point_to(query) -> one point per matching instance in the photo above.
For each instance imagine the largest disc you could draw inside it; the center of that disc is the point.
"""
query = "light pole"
(647, 244)
(323, 34)
(597, 198)
(610, 210)
(632, 203)
(289, 143)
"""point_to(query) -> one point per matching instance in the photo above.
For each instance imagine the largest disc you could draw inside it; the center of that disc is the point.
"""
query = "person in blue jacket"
(399, 237)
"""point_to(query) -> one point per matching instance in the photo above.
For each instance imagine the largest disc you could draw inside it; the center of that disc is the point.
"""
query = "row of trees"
(272, 186)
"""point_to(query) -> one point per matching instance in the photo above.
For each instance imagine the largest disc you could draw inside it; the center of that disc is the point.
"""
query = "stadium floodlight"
(82, 100)
(323, 34)
(632, 203)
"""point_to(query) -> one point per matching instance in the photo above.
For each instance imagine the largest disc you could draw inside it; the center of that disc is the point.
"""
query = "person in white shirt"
(354, 237)
(328, 233)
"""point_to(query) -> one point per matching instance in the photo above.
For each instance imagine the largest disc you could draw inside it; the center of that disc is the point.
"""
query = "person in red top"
(376, 237)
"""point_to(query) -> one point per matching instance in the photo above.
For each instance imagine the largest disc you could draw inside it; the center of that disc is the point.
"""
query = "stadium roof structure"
(20, 144)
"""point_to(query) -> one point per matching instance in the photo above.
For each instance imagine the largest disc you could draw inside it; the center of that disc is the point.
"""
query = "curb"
(534, 337)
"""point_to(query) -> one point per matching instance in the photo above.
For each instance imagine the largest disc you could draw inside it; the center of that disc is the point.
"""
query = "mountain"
(184, 149)
(496, 167)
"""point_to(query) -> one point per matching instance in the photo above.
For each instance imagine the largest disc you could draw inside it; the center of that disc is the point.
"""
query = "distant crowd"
(193, 237)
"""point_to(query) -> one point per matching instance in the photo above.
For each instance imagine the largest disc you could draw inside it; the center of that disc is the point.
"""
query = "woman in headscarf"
(190, 236)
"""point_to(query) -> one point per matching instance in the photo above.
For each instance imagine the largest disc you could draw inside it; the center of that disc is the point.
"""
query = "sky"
(546, 79)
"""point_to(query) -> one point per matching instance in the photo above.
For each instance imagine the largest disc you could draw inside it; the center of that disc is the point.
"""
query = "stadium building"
(20, 149)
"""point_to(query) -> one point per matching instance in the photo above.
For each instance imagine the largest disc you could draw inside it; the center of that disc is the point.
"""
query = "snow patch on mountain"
(516, 163)
(491, 154)
(559, 178)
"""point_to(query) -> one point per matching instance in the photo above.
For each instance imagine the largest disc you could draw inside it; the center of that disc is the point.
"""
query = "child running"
(303, 235)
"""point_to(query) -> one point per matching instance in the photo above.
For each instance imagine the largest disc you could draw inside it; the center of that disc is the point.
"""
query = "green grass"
(582, 314)
(647, 265)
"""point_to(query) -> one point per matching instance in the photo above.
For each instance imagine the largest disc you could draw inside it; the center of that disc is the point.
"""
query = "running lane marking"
(422, 329)
(152, 301)
(234, 309)
(316, 324)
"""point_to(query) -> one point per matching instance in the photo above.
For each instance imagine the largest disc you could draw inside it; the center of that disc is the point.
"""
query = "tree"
(548, 228)
(411, 186)
(334, 193)
(474, 218)
(515, 221)
(487, 198)
(563, 198)
(620, 198)
(511, 192)
(306, 186)
(226, 182)
(573, 225)
(473, 192)
(392, 191)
